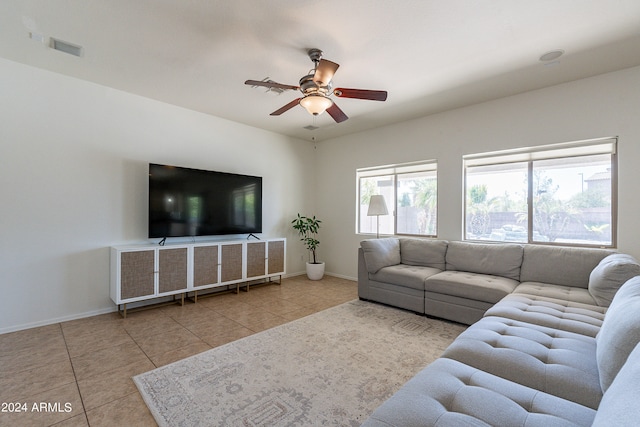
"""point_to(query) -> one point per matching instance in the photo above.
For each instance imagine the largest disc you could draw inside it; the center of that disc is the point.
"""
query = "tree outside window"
(411, 194)
(568, 199)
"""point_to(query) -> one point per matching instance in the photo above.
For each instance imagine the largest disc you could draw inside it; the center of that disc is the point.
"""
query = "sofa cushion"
(611, 273)
(409, 276)
(450, 393)
(547, 290)
(479, 287)
(502, 259)
(397, 296)
(559, 314)
(619, 406)
(560, 265)
(380, 253)
(459, 309)
(620, 332)
(555, 362)
(423, 252)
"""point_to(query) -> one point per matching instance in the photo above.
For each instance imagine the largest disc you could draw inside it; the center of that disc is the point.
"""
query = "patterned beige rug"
(331, 368)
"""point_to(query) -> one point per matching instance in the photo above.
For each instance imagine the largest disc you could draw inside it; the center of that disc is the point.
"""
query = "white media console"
(146, 271)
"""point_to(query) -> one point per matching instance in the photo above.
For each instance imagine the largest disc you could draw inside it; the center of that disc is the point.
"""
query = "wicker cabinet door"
(256, 259)
(137, 274)
(172, 269)
(276, 257)
(205, 265)
(231, 262)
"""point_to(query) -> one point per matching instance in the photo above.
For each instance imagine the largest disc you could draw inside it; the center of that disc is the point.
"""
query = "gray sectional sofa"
(460, 281)
(553, 338)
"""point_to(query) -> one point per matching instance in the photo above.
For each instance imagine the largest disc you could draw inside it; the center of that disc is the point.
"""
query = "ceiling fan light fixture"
(316, 104)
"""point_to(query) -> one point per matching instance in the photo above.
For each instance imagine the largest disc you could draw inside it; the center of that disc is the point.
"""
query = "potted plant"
(307, 229)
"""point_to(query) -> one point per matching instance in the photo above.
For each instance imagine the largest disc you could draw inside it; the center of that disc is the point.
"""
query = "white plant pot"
(315, 271)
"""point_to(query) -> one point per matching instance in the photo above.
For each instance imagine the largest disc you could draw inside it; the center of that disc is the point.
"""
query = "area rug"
(327, 369)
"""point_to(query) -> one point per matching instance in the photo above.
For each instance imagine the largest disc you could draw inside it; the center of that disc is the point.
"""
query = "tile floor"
(78, 373)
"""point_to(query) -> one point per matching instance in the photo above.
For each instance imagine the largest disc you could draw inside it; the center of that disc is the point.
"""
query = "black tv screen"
(193, 202)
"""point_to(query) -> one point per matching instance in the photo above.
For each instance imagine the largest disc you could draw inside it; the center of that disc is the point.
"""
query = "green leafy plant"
(307, 229)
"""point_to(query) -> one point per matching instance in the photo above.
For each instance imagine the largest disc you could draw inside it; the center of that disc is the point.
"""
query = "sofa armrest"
(380, 253)
(619, 405)
(363, 276)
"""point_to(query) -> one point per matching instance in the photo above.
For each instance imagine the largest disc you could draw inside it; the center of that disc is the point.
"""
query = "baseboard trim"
(113, 309)
(53, 321)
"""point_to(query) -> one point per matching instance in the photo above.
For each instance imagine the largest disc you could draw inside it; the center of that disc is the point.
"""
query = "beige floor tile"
(31, 339)
(188, 311)
(281, 306)
(90, 325)
(47, 408)
(27, 359)
(213, 326)
(111, 385)
(77, 421)
(263, 325)
(227, 337)
(96, 357)
(264, 299)
(233, 307)
(108, 359)
(90, 342)
(145, 325)
(128, 411)
(154, 345)
(200, 319)
(322, 304)
(257, 291)
(104, 327)
(180, 353)
(298, 314)
(302, 299)
(252, 317)
(20, 385)
(218, 300)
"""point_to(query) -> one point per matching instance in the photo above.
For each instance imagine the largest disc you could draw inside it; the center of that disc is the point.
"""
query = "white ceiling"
(430, 55)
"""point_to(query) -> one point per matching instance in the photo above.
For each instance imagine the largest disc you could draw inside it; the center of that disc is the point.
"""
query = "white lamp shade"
(377, 206)
(316, 104)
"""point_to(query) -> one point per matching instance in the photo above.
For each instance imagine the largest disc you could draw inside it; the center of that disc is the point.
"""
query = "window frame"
(394, 171)
(529, 155)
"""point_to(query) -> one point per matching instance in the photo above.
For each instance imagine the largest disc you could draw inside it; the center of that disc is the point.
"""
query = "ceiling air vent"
(65, 47)
(311, 127)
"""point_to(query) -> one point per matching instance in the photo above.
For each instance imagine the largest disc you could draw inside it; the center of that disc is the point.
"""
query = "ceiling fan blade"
(324, 72)
(373, 95)
(338, 115)
(270, 84)
(286, 107)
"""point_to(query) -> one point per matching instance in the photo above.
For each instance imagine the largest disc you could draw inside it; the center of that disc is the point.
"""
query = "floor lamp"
(377, 207)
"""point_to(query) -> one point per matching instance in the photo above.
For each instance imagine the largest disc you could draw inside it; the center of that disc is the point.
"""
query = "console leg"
(123, 312)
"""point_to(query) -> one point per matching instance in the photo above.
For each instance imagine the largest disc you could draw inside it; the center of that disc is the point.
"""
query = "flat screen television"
(192, 202)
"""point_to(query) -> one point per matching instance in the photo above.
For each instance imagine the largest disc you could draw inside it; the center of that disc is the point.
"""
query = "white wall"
(73, 159)
(606, 105)
(73, 181)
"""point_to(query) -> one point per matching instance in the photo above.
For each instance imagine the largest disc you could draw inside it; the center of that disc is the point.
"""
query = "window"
(410, 192)
(561, 193)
